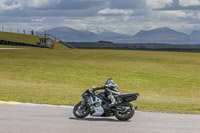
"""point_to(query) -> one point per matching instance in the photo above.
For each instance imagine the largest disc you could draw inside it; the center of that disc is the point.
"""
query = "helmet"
(109, 81)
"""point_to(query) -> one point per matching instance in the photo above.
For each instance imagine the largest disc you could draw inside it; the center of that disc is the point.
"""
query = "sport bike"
(97, 104)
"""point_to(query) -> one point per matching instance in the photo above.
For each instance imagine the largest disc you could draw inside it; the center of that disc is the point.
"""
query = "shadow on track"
(97, 119)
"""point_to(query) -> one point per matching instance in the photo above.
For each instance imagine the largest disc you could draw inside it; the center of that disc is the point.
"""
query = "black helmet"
(109, 81)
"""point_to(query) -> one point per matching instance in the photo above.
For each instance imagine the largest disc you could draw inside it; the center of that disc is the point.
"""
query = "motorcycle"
(97, 104)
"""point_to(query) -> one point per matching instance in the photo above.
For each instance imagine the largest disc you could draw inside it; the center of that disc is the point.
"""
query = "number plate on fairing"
(98, 110)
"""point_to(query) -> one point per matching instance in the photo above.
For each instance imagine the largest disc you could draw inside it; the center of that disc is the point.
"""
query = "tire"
(85, 113)
(128, 116)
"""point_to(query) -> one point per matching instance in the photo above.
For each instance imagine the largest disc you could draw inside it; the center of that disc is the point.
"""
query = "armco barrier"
(4, 42)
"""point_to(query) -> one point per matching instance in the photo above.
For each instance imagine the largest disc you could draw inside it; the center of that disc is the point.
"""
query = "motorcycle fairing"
(128, 97)
(96, 106)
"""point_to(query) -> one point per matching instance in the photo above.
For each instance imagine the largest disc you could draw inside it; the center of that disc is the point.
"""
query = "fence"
(24, 31)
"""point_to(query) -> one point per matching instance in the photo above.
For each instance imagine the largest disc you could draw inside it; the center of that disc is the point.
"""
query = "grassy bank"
(23, 38)
(166, 81)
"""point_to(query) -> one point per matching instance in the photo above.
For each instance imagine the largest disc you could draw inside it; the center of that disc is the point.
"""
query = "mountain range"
(158, 35)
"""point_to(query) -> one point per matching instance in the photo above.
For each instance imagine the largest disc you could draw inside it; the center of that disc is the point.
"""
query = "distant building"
(105, 42)
(45, 42)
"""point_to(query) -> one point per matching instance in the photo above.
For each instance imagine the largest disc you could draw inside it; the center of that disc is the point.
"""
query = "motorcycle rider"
(110, 89)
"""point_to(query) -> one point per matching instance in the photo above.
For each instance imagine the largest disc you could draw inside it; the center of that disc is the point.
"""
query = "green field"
(166, 81)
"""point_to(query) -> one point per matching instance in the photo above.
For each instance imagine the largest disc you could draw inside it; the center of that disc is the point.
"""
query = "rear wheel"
(81, 113)
(126, 113)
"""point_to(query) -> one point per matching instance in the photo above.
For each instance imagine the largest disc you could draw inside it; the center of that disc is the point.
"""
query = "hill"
(104, 34)
(95, 34)
(24, 38)
(165, 31)
(85, 34)
(161, 35)
(195, 33)
(68, 34)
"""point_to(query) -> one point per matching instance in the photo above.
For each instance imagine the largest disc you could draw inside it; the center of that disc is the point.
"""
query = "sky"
(122, 16)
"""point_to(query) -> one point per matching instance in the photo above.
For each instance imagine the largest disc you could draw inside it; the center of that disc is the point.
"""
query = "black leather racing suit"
(110, 91)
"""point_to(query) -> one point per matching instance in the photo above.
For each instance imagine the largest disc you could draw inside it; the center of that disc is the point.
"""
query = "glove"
(91, 89)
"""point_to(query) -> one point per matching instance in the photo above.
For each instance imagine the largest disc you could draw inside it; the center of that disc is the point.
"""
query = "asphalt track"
(27, 118)
(9, 48)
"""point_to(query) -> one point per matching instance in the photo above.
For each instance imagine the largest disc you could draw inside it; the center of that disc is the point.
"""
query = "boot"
(113, 101)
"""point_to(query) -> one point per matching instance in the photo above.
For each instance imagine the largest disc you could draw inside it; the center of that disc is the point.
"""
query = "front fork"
(83, 103)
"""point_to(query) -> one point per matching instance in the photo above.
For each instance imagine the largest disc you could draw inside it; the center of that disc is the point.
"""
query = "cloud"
(78, 4)
(63, 4)
(14, 4)
(189, 2)
(38, 3)
(9, 5)
(39, 19)
(127, 4)
(50, 4)
(126, 16)
(57, 8)
(109, 11)
(178, 13)
(182, 5)
(155, 4)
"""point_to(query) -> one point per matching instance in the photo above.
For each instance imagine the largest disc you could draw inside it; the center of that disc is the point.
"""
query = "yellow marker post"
(10, 102)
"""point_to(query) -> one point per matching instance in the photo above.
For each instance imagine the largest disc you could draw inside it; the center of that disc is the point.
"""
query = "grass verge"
(166, 81)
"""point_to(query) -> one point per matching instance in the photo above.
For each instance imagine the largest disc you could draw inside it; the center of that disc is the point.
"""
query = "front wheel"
(126, 113)
(81, 113)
